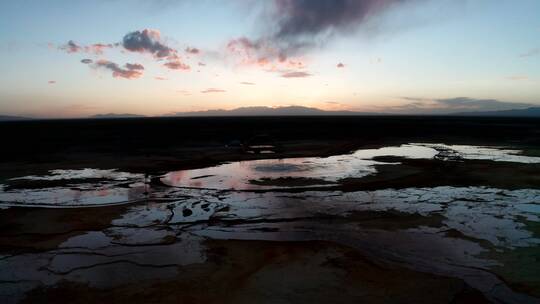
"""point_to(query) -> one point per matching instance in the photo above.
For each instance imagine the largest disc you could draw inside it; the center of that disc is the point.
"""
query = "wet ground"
(409, 223)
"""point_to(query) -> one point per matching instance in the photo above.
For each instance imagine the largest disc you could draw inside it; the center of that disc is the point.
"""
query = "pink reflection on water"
(238, 175)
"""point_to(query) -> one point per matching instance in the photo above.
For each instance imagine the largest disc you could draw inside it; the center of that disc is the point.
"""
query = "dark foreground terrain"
(332, 210)
(165, 144)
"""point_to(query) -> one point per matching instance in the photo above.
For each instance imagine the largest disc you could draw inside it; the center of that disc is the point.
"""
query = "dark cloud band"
(299, 25)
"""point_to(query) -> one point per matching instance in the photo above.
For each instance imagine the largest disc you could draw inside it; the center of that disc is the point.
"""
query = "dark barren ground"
(165, 144)
(423, 231)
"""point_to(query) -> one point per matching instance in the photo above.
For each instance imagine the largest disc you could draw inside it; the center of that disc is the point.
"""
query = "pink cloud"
(98, 48)
(160, 78)
(177, 65)
(263, 54)
(247, 83)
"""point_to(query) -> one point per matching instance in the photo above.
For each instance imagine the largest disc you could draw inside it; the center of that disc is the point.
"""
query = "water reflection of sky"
(239, 175)
(114, 187)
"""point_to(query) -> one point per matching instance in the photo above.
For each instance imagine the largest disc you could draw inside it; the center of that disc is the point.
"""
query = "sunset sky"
(80, 58)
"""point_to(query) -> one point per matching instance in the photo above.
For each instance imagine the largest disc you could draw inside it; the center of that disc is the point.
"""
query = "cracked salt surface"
(84, 195)
(112, 187)
(478, 212)
(95, 259)
(151, 240)
(154, 236)
(486, 218)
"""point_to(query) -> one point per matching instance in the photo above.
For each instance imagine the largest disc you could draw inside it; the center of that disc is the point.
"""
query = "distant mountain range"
(306, 111)
(115, 115)
(12, 118)
(529, 112)
(298, 111)
(267, 111)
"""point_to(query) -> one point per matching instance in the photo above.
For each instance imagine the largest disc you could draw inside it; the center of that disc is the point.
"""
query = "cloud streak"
(452, 105)
(96, 48)
(479, 104)
(177, 65)
(530, 53)
(213, 90)
(296, 74)
(518, 77)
